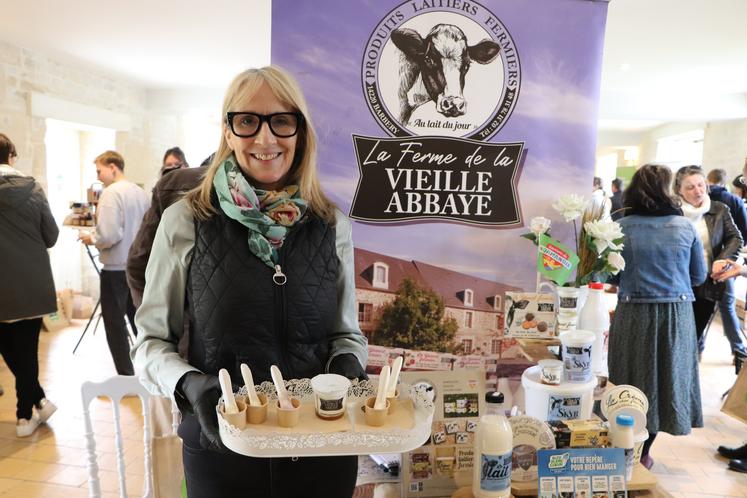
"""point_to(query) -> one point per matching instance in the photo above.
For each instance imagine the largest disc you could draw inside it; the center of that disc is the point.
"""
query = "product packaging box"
(529, 315)
(591, 433)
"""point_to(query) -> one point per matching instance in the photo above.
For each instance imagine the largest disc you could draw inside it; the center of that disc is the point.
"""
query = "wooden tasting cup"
(393, 401)
(257, 414)
(288, 418)
(237, 420)
(374, 417)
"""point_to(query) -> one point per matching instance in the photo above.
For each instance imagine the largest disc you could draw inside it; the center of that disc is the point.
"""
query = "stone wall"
(725, 146)
(24, 72)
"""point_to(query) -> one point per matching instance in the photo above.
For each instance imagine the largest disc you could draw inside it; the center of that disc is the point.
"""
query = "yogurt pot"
(638, 441)
(330, 394)
(576, 347)
(551, 371)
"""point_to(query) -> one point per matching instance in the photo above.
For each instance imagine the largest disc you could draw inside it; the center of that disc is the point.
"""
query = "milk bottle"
(622, 437)
(595, 317)
(492, 469)
(494, 404)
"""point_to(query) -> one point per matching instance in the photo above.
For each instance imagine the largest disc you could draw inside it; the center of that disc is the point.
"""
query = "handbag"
(710, 290)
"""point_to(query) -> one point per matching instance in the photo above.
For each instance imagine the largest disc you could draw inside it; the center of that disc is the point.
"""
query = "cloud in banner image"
(551, 93)
(561, 174)
(322, 59)
(341, 187)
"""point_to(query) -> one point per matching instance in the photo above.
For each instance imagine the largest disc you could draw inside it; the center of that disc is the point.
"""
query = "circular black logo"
(449, 70)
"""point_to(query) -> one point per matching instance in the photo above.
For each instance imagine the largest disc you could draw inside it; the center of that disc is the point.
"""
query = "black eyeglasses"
(248, 124)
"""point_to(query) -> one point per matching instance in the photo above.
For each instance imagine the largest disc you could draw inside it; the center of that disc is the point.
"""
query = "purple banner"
(404, 96)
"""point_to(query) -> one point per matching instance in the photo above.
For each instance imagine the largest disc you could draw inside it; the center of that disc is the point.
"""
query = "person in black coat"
(617, 199)
(26, 290)
(722, 241)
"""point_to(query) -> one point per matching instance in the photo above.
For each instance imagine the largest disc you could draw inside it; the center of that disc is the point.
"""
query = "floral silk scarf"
(268, 214)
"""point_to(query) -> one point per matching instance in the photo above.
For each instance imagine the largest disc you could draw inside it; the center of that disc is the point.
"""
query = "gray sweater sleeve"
(347, 336)
(160, 317)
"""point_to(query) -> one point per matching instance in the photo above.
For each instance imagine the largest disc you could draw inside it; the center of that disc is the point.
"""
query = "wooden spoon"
(246, 373)
(225, 385)
(283, 397)
(380, 403)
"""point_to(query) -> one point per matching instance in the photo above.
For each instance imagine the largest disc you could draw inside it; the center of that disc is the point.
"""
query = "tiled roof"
(449, 284)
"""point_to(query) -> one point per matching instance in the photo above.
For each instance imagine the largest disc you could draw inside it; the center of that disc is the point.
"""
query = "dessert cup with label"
(576, 346)
(552, 371)
(330, 395)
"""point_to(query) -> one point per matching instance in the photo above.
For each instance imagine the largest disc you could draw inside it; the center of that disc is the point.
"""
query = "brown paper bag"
(55, 321)
(66, 298)
(82, 307)
(736, 403)
(168, 471)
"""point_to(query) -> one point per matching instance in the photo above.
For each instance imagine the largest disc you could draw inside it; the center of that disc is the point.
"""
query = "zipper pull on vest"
(279, 277)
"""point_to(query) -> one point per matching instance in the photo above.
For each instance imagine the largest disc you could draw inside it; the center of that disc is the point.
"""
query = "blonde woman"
(264, 262)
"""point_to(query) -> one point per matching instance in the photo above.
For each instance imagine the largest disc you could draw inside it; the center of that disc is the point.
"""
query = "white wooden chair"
(115, 388)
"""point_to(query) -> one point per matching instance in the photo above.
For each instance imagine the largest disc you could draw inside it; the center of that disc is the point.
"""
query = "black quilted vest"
(239, 315)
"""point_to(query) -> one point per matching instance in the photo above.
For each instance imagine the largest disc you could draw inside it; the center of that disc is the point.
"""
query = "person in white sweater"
(120, 211)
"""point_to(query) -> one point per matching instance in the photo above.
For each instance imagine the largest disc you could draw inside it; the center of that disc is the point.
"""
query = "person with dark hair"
(173, 160)
(167, 191)
(652, 340)
(26, 289)
(717, 191)
(260, 263)
(738, 185)
(616, 200)
(120, 210)
(721, 242)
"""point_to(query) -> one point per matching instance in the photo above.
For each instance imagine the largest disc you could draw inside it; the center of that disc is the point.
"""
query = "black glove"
(347, 365)
(202, 392)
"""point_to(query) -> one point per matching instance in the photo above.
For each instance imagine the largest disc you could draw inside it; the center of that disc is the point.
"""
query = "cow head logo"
(438, 65)
(440, 70)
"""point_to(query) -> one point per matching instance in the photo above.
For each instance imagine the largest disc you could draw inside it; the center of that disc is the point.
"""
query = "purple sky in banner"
(560, 49)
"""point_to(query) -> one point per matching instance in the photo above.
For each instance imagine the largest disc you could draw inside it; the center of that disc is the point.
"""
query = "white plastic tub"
(566, 401)
(577, 353)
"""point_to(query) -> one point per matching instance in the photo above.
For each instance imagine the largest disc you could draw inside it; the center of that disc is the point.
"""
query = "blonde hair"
(303, 171)
(110, 157)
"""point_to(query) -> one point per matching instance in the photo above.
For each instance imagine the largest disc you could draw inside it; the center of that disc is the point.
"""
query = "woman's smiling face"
(264, 158)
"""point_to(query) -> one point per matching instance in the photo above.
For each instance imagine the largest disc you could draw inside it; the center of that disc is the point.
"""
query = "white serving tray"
(274, 441)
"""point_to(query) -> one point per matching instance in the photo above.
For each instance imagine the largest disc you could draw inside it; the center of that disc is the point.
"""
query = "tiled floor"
(52, 462)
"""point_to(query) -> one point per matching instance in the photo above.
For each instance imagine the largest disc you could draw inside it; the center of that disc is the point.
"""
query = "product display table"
(535, 350)
(643, 480)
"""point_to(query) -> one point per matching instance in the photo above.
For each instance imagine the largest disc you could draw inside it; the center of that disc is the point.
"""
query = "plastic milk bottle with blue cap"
(622, 437)
(494, 444)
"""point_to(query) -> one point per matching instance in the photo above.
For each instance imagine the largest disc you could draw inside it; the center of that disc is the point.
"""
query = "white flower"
(570, 206)
(539, 225)
(604, 234)
(616, 261)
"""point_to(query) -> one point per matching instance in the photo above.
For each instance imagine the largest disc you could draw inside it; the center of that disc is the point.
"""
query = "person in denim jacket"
(721, 244)
(652, 340)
